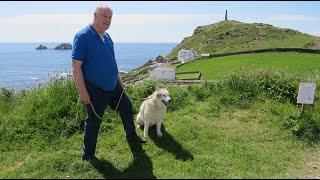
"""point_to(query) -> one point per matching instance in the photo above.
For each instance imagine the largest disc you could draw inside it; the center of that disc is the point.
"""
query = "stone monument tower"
(226, 16)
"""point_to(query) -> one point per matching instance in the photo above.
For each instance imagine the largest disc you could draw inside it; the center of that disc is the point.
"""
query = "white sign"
(306, 93)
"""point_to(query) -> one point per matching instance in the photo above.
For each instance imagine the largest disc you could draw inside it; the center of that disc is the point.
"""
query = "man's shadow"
(140, 168)
(168, 143)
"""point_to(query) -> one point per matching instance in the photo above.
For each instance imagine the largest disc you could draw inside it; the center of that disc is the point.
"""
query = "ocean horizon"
(24, 67)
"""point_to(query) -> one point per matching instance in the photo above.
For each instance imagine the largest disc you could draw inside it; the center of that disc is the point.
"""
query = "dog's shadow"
(140, 168)
(168, 143)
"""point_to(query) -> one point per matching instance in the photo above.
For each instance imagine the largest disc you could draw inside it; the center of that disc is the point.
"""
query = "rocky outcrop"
(63, 46)
(161, 59)
(198, 30)
(41, 47)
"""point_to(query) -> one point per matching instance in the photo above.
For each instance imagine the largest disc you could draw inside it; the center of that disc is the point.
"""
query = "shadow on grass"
(140, 168)
(168, 143)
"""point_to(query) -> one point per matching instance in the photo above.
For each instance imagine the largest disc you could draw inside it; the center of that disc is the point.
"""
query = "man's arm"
(78, 77)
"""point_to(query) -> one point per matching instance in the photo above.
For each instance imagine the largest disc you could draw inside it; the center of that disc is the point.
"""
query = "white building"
(205, 55)
(186, 55)
(163, 71)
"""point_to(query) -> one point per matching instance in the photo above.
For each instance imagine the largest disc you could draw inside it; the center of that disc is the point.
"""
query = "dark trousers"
(100, 99)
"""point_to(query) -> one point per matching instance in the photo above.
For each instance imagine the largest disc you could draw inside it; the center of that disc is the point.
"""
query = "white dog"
(152, 111)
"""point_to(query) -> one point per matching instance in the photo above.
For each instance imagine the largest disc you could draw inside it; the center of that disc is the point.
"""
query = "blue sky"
(143, 21)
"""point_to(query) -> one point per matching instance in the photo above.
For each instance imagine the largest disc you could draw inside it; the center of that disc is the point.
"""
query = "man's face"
(104, 17)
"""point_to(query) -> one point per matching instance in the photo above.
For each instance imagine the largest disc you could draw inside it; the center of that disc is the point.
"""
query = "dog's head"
(161, 97)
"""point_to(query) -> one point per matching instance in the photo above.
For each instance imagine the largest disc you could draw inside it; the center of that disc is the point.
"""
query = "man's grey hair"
(102, 6)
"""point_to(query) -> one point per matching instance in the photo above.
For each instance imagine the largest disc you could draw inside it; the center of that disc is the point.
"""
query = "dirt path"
(312, 165)
(317, 45)
(13, 166)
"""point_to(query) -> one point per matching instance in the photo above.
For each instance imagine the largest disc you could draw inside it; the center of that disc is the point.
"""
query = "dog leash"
(95, 113)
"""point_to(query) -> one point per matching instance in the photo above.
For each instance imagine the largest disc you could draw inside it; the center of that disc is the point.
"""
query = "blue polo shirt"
(98, 60)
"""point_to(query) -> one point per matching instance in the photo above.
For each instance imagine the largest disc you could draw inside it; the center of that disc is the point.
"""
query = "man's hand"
(84, 97)
(120, 82)
(122, 85)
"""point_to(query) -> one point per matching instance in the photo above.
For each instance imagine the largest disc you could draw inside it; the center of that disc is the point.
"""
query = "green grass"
(187, 76)
(299, 64)
(238, 144)
(231, 129)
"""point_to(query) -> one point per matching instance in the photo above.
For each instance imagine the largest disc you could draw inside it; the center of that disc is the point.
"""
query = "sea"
(23, 67)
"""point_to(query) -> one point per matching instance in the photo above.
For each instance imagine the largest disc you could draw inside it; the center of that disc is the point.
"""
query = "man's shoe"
(136, 139)
(92, 158)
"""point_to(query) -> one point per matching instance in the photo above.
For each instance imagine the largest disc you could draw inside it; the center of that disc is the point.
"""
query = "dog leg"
(159, 129)
(146, 130)
(139, 124)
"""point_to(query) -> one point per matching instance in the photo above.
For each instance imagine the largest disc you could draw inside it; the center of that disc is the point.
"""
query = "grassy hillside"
(246, 126)
(232, 36)
(299, 64)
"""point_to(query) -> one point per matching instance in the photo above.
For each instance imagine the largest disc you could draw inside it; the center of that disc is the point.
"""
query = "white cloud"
(315, 33)
(124, 28)
(293, 17)
(46, 19)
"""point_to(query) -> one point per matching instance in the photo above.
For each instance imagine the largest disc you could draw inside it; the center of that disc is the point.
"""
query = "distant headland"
(62, 46)
(41, 47)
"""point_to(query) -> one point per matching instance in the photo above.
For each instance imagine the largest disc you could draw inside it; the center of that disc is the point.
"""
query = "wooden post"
(302, 110)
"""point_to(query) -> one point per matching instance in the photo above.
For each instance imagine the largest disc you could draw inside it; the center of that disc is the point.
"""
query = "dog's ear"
(159, 94)
(155, 95)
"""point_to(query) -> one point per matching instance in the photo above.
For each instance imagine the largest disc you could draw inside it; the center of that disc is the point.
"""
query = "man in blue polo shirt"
(98, 81)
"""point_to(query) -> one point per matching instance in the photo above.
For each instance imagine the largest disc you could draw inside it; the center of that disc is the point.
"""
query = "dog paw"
(160, 134)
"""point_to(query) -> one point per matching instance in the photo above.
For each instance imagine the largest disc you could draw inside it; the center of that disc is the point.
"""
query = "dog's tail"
(140, 115)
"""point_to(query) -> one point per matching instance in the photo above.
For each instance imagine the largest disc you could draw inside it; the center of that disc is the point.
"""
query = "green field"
(245, 124)
(299, 64)
(233, 129)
